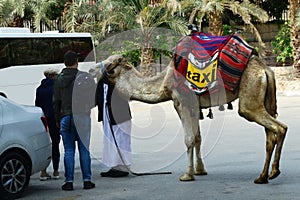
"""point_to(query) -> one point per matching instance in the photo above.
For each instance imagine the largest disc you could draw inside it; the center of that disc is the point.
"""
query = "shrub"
(282, 45)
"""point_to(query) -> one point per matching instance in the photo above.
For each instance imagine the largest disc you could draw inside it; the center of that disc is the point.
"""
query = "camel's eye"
(110, 72)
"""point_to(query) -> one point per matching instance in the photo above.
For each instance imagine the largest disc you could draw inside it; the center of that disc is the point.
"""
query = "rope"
(120, 154)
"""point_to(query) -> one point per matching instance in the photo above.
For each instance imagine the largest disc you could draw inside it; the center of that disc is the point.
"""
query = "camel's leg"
(252, 107)
(270, 145)
(271, 106)
(275, 136)
(275, 166)
(189, 174)
(189, 120)
(200, 169)
(274, 129)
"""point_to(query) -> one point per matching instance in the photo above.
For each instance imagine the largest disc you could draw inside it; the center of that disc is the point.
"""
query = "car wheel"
(14, 175)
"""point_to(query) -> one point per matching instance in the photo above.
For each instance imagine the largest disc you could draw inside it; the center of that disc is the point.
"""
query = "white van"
(24, 56)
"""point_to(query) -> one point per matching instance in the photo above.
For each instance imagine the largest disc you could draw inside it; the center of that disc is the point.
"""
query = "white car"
(25, 146)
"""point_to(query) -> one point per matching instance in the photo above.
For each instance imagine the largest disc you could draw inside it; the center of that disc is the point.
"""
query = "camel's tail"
(271, 101)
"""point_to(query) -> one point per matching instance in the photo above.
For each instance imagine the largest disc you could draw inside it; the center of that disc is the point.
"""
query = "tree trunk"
(215, 22)
(193, 15)
(147, 59)
(17, 22)
(65, 13)
(295, 33)
(146, 62)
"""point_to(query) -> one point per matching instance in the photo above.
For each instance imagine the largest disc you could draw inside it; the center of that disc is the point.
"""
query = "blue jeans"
(76, 128)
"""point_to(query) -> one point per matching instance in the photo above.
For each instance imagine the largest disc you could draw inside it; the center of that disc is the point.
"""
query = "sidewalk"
(286, 83)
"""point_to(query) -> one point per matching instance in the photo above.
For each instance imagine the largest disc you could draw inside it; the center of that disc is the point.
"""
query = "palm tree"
(294, 15)
(40, 9)
(12, 12)
(79, 15)
(213, 9)
(69, 14)
(145, 15)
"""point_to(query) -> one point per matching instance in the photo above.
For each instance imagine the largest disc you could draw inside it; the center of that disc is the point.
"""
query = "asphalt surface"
(233, 152)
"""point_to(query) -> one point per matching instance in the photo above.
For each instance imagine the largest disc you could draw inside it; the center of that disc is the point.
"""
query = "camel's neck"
(148, 90)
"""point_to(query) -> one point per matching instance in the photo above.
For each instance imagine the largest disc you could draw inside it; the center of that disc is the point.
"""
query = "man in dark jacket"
(44, 94)
(74, 126)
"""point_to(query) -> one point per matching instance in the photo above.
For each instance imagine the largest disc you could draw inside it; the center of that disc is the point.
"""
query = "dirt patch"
(286, 82)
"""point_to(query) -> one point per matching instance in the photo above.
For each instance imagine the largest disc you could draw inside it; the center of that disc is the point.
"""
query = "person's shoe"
(201, 117)
(229, 106)
(221, 108)
(68, 186)
(114, 173)
(88, 185)
(55, 175)
(44, 176)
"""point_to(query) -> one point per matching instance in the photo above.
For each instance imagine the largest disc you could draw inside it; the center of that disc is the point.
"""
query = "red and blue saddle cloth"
(205, 62)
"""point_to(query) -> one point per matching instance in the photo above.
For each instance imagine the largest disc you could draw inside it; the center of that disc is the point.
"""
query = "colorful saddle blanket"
(205, 62)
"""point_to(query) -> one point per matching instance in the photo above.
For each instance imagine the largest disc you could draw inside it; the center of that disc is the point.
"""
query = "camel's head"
(111, 67)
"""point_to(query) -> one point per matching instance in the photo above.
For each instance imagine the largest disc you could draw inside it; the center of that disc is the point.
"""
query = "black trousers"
(55, 138)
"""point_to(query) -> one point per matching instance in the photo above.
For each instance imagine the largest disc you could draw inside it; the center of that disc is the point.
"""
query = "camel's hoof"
(261, 180)
(187, 177)
(200, 172)
(274, 174)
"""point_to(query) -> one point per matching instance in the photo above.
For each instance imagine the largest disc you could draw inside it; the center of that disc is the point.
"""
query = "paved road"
(233, 151)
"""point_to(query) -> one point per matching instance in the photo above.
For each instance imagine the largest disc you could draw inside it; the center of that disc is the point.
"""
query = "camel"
(257, 103)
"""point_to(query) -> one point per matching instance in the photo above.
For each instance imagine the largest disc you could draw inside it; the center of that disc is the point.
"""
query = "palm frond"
(246, 9)
(6, 9)
(19, 7)
(70, 21)
(10, 8)
(173, 6)
(178, 25)
(40, 8)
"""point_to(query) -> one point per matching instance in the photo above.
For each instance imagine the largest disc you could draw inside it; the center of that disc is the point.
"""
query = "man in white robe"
(114, 112)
